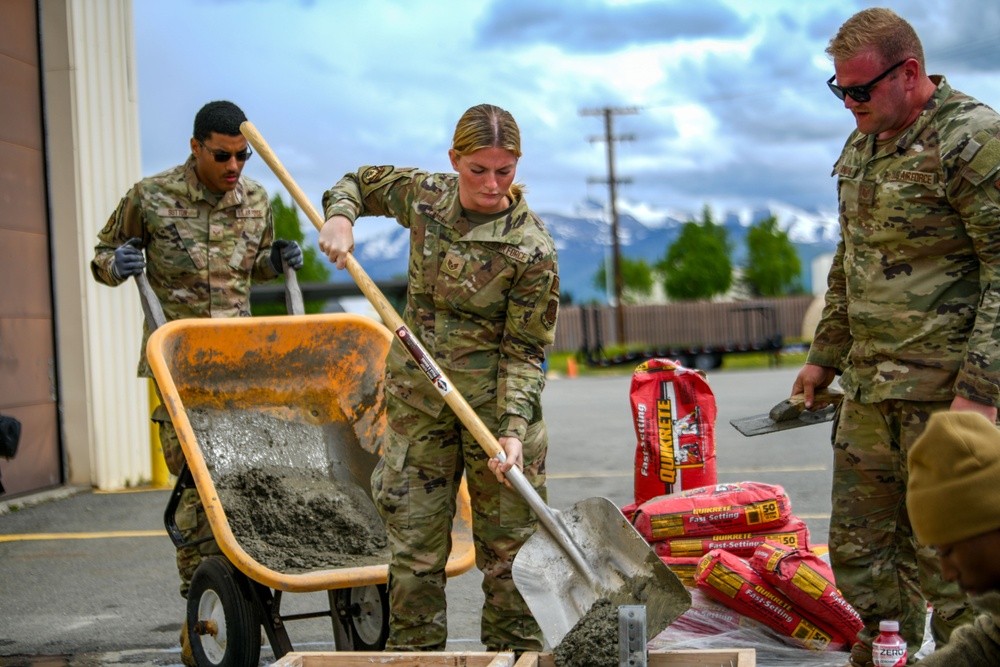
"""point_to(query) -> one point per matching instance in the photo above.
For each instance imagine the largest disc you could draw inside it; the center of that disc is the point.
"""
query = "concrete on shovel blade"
(623, 568)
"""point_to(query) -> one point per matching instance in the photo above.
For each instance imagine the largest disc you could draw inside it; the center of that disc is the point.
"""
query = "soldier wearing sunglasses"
(202, 233)
(911, 318)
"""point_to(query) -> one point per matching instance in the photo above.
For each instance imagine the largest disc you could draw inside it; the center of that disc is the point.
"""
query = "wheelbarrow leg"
(342, 639)
(184, 482)
(270, 616)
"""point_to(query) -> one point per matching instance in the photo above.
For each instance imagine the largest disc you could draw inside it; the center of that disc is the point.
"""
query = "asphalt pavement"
(89, 578)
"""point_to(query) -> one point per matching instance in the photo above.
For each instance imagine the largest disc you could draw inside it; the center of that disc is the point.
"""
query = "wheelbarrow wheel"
(364, 612)
(223, 624)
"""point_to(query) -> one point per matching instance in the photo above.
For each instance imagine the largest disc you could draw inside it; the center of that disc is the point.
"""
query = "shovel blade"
(621, 567)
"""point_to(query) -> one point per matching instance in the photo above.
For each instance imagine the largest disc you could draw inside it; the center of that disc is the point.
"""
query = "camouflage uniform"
(483, 298)
(202, 250)
(910, 320)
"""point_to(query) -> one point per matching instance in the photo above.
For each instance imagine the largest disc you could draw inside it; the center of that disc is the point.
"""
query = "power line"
(609, 139)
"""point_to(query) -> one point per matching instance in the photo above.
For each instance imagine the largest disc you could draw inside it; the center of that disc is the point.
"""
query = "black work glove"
(128, 260)
(289, 251)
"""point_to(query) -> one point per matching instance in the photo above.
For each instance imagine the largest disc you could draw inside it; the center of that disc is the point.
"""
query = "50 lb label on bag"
(721, 509)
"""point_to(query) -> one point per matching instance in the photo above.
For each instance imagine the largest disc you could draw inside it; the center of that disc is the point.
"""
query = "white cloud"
(733, 106)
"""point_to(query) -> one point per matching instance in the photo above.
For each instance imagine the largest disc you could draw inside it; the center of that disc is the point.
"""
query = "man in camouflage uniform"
(910, 322)
(483, 297)
(207, 232)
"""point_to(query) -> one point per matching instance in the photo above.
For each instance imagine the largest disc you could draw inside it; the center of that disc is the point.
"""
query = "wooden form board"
(743, 657)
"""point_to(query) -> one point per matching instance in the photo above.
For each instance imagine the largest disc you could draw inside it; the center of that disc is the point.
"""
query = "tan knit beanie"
(954, 488)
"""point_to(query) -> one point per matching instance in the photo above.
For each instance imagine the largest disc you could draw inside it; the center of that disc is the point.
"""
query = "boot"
(187, 658)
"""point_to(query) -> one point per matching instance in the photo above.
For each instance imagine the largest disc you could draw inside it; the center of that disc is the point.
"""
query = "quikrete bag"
(794, 534)
(721, 509)
(731, 580)
(683, 566)
(673, 411)
(807, 581)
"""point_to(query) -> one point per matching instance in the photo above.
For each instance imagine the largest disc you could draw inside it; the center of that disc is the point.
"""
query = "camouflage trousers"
(415, 486)
(190, 516)
(877, 562)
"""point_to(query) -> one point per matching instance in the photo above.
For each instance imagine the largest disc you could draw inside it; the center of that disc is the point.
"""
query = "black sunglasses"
(223, 156)
(860, 93)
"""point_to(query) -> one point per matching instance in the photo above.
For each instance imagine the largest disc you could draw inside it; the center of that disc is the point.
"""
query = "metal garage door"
(27, 350)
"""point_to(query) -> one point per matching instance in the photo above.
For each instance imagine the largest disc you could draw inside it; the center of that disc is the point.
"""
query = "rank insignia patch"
(452, 265)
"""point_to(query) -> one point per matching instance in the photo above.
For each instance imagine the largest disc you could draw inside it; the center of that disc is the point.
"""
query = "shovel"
(792, 413)
(584, 554)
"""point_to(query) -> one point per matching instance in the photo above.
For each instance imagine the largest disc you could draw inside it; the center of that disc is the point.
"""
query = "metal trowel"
(791, 413)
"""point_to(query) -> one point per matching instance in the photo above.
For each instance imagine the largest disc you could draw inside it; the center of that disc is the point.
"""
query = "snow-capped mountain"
(583, 240)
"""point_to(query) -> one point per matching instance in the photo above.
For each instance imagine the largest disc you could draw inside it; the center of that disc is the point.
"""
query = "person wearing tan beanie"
(953, 499)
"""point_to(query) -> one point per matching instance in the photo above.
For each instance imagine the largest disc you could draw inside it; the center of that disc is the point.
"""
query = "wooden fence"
(699, 324)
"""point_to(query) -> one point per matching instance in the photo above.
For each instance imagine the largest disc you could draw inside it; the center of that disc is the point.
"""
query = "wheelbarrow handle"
(293, 293)
(389, 316)
(151, 308)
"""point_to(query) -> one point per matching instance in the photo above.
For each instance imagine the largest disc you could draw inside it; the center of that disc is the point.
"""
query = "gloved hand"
(129, 260)
(289, 251)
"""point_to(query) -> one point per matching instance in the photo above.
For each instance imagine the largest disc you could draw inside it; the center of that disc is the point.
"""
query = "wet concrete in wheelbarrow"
(294, 494)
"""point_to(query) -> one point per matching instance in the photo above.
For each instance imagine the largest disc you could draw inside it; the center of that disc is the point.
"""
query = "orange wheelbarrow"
(311, 374)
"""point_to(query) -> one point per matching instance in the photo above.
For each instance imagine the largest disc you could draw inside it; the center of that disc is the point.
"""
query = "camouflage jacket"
(200, 257)
(482, 298)
(912, 307)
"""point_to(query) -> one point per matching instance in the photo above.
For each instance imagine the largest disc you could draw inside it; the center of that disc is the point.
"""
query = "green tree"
(697, 264)
(773, 266)
(314, 268)
(637, 279)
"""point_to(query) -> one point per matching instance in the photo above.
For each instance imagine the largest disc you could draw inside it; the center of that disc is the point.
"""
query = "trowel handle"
(795, 404)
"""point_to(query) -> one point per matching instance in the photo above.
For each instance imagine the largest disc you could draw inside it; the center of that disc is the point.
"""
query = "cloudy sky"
(732, 106)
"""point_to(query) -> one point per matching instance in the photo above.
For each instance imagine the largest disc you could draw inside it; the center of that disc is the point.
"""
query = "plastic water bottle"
(889, 648)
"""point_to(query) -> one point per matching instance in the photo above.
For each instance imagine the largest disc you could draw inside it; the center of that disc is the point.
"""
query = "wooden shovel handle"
(382, 306)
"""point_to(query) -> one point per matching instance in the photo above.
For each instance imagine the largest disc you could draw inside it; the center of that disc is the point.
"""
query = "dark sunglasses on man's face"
(863, 92)
(223, 156)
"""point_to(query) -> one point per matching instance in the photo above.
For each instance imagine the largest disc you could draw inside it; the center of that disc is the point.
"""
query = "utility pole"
(609, 138)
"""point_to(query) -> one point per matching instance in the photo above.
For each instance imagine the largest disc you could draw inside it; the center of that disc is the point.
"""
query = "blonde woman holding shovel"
(483, 298)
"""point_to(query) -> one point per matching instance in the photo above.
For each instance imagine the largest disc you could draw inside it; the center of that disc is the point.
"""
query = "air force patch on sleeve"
(373, 175)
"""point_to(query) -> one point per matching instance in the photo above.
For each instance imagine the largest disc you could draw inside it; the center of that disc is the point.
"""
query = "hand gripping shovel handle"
(413, 346)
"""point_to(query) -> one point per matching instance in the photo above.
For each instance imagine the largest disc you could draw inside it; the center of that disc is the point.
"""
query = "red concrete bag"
(722, 509)
(807, 581)
(731, 580)
(794, 534)
(673, 411)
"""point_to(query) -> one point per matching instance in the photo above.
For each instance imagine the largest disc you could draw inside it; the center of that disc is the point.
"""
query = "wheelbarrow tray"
(317, 370)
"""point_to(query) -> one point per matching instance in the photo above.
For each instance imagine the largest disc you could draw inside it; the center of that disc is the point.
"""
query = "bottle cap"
(888, 626)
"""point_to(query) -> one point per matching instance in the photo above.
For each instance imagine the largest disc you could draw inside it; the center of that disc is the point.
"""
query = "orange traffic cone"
(571, 367)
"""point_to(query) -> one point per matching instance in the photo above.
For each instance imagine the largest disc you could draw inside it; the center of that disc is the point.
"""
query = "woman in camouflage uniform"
(483, 297)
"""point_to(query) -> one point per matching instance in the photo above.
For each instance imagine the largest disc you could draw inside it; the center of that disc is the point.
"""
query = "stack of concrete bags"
(741, 545)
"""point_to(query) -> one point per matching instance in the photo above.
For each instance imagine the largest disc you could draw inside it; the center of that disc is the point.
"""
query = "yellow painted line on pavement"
(726, 471)
(29, 537)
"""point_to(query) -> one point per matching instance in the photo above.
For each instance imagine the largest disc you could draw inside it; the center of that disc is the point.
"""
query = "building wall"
(91, 121)
(27, 347)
